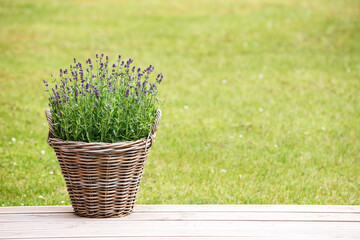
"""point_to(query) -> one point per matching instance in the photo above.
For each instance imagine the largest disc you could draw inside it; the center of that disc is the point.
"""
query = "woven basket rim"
(59, 140)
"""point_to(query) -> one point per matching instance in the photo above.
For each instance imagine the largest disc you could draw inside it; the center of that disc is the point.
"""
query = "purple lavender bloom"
(74, 60)
(128, 63)
(114, 65)
(159, 78)
(94, 107)
(150, 69)
(102, 55)
(127, 93)
(107, 57)
(124, 107)
(108, 106)
(114, 89)
(45, 81)
(152, 86)
(87, 86)
(97, 55)
(131, 107)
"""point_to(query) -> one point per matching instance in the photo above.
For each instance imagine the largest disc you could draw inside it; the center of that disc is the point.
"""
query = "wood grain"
(149, 222)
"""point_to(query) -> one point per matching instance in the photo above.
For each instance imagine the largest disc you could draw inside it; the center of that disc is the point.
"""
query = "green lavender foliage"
(99, 102)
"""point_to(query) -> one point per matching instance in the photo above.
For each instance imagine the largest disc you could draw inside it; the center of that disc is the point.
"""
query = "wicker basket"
(102, 178)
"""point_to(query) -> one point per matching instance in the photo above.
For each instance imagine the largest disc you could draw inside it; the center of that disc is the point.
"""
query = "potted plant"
(102, 122)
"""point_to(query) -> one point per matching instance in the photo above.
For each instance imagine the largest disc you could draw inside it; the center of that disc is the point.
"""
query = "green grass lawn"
(263, 96)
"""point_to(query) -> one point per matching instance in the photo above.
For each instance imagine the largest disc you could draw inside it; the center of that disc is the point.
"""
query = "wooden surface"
(150, 222)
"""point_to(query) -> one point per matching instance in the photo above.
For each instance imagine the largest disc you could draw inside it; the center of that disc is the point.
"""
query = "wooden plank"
(196, 238)
(201, 208)
(251, 208)
(189, 216)
(181, 229)
(36, 209)
(149, 222)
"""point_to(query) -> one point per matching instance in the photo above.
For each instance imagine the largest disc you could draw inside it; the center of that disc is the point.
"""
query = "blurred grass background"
(263, 96)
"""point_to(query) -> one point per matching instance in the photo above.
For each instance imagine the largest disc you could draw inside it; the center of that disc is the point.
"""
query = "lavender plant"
(102, 102)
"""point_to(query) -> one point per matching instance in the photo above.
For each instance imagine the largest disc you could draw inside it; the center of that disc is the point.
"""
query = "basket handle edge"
(51, 128)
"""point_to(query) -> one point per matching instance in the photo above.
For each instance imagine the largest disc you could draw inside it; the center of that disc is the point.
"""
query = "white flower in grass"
(240, 176)
(51, 172)
(261, 110)
(3, 205)
(14, 163)
(261, 75)
(41, 197)
(186, 107)
(224, 81)
(223, 170)
(240, 136)
(62, 202)
(323, 128)
(276, 145)
(22, 204)
(13, 139)
(42, 152)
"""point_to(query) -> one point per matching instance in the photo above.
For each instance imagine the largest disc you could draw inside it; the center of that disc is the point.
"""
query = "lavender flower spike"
(94, 107)
(127, 93)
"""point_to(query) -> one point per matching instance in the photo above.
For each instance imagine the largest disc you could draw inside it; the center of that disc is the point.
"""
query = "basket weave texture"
(102, 178)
